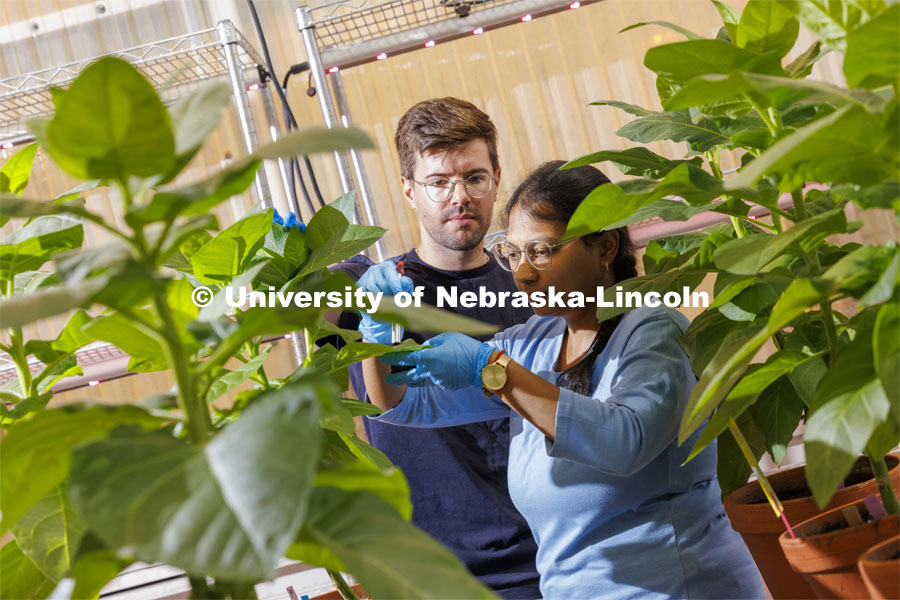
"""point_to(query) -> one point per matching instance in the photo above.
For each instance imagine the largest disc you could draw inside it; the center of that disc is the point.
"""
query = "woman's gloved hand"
(382, 277)
(455, 362)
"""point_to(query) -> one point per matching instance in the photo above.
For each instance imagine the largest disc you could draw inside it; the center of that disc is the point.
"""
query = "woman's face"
(575, 266)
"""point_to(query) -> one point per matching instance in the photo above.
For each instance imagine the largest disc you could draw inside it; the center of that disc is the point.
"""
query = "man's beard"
(463, 240)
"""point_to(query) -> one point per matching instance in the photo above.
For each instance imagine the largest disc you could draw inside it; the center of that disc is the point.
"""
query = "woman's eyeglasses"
(441, 190)
(538, 253)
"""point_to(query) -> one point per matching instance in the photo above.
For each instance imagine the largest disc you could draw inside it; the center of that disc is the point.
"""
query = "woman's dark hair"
(549, 194)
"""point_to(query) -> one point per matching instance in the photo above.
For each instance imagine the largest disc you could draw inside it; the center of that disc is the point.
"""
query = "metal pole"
(228, 39)
(275, 133)
(362, 179)
(307, 27)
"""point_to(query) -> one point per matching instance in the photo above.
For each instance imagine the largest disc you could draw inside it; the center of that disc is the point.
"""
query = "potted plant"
(807, 149)
(225, 493)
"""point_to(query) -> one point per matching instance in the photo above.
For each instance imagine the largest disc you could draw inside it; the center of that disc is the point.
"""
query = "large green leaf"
(332, 238)
(745, 393)
(678, 28)
(873, 51)
(362, 475)
(837, 432)
(729, 18)
(885, 195)
(705, 336)
(228, 509)
(675, 126)
(776, 413)
(16, 171)
(752, 253)
(36, 453)
(20, 578)
(231, 379)
(832, 20)
(682, 61)
(70, 339)
(313, 140)
(231, 251)
(851, 145)
(634, 161)
(133, 338)
(50, 533)
(886, 350)
(36, 243)
(286, 249)
(767, 26)
(360, 533)
(861, 268)
(110, 124)
(23, 309)
(731, 466)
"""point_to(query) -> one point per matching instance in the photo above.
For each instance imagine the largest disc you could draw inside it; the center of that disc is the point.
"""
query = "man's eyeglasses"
(538, 253)
(441, 189)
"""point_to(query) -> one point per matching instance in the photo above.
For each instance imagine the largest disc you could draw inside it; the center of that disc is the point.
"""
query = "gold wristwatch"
(493, 376)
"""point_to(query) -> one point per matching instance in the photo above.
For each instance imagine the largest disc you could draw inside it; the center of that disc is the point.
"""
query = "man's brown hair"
(441, 122)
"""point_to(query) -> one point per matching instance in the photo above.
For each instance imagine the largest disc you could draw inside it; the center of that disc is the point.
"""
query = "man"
(457, 475)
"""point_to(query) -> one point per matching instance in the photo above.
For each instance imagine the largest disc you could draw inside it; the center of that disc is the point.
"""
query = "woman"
(594, 465)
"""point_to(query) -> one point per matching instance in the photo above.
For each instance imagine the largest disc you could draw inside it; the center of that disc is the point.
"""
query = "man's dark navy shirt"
(457, 475)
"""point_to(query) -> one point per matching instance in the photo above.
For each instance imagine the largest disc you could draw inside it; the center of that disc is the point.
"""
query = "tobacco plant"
(807, 150)
(222, 493)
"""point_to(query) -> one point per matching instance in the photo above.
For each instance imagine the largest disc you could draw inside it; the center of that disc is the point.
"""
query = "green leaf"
(36, 243)
(745, 393)
(21, 577)
(777, 413)
(313, 140)
(752, 253)
(705, 336)
(671, 251)
(13, 206)
(806, 377)
(231, 251)
(364, 535)
(133, 338)
(93, 570)
(682, 61)
(886, 350)
(16, 171)
(755, 299)
(228, 509)
(194, 117)
(110, 124)
(286, 251)
(873, 51)
(362, 476)
(831, 20)
(364, 451)
(837, 432)
(849, 146)
(732, 468)
(631, 109)
(802, 66)
(196, 199)
(729, 18)
(36, 452)
(332, 238)
(70, 339)
(678, 28)
(50, 532)
(22, 407)
(670, 281)
(885, 195)
(675, 126)
(634, 161)
(231, 379)
(767, 26)
(860, 268)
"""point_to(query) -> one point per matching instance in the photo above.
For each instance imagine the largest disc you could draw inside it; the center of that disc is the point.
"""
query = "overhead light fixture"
(93, 382)
(429, 44)
(478, 30)
(381, 56)
(526, 18)
(253, 86)
(575, 5)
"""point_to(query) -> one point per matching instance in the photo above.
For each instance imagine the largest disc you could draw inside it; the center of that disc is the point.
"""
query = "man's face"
(460, 222)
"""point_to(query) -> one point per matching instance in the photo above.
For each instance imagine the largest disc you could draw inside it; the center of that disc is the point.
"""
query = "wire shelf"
(176, 65)
(342, 24)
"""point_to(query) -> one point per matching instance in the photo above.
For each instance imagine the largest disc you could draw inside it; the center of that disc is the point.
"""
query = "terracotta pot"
(880, 569)
(753, 518)
(336, 595)
(827, 556)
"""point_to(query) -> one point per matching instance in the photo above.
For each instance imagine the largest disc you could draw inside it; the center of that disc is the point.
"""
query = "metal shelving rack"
(175, 66)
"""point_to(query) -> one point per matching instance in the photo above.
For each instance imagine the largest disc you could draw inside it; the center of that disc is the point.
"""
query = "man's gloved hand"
(289, 221)
(455, 362)
(382, 277)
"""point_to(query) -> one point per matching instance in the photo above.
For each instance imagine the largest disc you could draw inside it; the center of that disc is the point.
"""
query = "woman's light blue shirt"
(614, 513)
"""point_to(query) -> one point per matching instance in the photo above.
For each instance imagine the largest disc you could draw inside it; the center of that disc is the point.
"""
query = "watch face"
(493, 377)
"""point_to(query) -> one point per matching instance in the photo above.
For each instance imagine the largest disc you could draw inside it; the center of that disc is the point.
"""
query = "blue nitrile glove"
(455, 362)
(290, 221)
(382, 277)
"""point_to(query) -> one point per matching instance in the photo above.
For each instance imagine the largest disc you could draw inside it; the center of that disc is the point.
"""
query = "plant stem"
(882, 476)
(20, 359)
(764, 484)
(776, 220)
(799, 206)
(310, 350)
(198, 421)
(764, 115)
(343, 588)
(199, 587)
(738, 228)
(713, 160)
